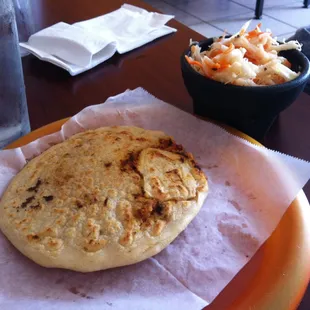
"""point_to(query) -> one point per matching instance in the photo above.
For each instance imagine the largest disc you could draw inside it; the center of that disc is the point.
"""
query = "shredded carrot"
(249, 56)
(224, 67)
(280, 79)
(223, 64)
(255, 32)
(287, 63)
(252, 34)
(193, 62)
(210, 63)
(230, 48)
(196, 63)
(252, 60)
(216, 52)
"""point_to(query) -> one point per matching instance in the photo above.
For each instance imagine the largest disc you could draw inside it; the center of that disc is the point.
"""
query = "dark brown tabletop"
(53, 94)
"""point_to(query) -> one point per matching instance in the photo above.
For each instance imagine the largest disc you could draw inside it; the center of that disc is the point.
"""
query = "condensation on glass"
(24, 21)
(14, 119)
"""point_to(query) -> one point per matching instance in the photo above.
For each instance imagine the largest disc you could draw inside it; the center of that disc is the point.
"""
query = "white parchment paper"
(250, 189)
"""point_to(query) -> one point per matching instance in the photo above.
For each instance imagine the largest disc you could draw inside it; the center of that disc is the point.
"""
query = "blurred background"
(212, 17)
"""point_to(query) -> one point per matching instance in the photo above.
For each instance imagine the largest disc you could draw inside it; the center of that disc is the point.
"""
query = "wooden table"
(53, 94)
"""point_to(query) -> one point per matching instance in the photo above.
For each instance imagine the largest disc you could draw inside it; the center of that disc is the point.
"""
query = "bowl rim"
(302, 78)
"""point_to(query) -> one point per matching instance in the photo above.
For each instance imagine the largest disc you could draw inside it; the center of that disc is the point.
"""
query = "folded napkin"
(82, 46)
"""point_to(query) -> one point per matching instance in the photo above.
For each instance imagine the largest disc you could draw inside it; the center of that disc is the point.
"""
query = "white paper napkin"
(82, 46)
(250, 189)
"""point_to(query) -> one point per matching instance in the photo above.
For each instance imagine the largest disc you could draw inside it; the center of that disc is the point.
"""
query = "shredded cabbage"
(245, 59)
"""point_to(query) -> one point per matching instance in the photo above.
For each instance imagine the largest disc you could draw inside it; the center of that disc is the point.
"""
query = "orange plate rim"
(283, 293)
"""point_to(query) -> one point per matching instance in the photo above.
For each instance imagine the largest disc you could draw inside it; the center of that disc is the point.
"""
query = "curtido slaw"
(245, 59)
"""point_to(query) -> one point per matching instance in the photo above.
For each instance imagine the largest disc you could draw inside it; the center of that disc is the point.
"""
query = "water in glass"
(14, 119)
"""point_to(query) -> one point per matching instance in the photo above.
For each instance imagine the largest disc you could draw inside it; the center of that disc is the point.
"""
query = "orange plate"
(277, 276)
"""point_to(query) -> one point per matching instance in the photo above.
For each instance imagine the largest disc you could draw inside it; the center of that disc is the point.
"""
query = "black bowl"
(247, 108)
